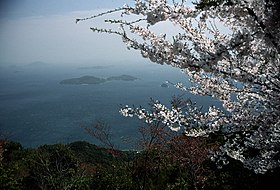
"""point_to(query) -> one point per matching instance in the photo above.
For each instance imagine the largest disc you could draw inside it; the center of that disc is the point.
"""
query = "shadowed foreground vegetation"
(81, 165)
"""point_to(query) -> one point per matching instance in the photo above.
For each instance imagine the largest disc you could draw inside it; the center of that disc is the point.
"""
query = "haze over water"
(40, 45)
(35, 109)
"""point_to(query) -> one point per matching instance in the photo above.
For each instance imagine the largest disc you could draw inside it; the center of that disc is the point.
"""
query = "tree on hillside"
(230, 50)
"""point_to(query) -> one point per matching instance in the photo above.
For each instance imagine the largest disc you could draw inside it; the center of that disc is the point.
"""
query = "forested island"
(84, 80)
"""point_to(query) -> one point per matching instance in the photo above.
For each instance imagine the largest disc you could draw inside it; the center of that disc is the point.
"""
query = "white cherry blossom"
(230, 52)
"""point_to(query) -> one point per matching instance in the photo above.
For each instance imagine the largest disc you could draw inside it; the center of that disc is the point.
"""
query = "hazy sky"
(45, 30)
(19, 8)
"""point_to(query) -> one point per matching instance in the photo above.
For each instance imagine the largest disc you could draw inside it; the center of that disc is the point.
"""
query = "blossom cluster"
(178, 119)
(228, 52)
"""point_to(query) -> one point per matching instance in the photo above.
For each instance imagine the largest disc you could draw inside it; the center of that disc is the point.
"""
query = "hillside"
(81, 165)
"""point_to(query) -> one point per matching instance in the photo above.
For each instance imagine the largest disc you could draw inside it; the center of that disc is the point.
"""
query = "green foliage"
(84, 166)
(12, 151)
(90, 153)
(178, 185)
(113, 179)
(12, 165)
(54, 167)
(8, 177)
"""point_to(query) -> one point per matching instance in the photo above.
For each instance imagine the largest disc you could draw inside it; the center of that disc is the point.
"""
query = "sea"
(35, 109)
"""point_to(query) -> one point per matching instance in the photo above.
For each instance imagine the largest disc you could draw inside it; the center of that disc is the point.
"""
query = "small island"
(86, 80)
(164, 85)
(83, 80)
(122, 77)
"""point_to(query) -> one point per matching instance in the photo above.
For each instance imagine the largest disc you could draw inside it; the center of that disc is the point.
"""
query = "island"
(83, 80)
(123, 78)
(164, 85)
(94, 67)
(86, 80)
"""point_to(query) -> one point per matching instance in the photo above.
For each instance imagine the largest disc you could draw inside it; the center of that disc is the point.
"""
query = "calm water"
(35, 109)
